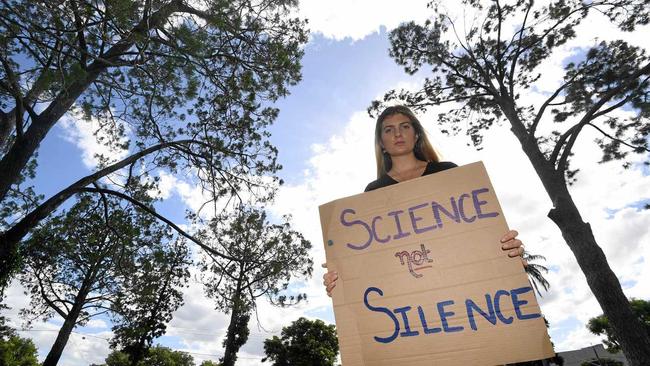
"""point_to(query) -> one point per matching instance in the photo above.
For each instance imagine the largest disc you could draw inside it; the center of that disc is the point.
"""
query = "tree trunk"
(68, 325)
(230, 353)
(602, 281)
(62, 338)
(634, 340)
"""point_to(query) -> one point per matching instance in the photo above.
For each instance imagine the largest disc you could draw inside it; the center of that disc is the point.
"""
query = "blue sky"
(324, 138)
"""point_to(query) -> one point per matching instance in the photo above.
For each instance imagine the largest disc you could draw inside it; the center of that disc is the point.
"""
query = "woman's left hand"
(513, 246)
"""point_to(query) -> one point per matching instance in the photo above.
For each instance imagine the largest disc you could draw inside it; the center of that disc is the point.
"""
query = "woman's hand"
(329, 280)
(514, 246)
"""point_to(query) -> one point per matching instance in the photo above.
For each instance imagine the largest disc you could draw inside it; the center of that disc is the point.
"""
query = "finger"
(330, 288)
(518, 252)
(330, 276)
(512, 244)
(324, 265)
(509, 236)
(524, 262)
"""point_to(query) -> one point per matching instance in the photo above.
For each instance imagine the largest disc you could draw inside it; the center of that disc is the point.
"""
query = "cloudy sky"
(325, 141)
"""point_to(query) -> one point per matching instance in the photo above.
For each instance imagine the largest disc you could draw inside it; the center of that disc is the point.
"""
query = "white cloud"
(355, 19)
(85, 134)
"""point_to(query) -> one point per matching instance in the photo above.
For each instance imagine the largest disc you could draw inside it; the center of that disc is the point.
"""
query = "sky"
(325, 142)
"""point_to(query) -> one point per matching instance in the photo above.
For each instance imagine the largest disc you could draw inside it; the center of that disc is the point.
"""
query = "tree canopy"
(103, 257)
(155, 356)
(15, 350)
(268, 256)
(303, 343)
(173, 84)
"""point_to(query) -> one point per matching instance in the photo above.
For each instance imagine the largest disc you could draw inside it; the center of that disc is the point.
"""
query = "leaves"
(600, 325)
(303, 343)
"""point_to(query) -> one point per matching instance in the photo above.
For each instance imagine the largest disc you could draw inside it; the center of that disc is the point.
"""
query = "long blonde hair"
(423, 149)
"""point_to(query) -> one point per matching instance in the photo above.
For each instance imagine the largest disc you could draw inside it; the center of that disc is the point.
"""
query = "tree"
(600, 325)
(156, 356)
(269, 257)
(177, 84)
(303, 343)
(536, 272)
(209, 363)
(141, 313)
(92, 260)
(15, 350)
(486, 70)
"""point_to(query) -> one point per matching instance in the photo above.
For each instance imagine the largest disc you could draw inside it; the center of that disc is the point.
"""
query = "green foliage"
(100, 256)
(141, 313)
(535, 272)
(303, 343)
(209, 363)
(177, 84)
(15, 350)
(155, 356)
(266, 257)
(602, 362)
(600, 325)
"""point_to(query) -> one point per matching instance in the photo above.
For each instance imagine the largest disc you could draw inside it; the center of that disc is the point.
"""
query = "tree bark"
(230, 353)
(70, 321)
(634, 340)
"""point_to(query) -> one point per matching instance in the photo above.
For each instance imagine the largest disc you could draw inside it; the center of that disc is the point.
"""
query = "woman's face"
(398, 135)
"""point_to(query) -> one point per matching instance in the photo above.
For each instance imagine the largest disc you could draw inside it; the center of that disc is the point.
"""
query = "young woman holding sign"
(403, 152)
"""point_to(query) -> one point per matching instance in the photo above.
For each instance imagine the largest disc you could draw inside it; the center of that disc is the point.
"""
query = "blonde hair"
(423, 149)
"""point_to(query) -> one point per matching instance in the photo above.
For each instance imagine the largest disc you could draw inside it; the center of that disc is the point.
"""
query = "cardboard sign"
(423, 279)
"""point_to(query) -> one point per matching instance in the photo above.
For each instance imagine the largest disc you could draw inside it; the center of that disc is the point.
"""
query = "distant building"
(577, 357)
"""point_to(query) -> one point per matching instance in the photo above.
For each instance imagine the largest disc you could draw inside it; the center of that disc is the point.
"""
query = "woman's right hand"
(329, 280)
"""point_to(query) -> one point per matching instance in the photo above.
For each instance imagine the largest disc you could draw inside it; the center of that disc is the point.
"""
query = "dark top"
(386, 180)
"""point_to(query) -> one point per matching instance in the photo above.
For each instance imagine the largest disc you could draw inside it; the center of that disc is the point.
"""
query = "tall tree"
(485, 71)
(303, 343)
(79, 263)
(153, 292)
(600, 325)
(176, 84)
(268, 256)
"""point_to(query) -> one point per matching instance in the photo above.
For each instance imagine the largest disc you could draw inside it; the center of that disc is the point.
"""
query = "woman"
(403, 152)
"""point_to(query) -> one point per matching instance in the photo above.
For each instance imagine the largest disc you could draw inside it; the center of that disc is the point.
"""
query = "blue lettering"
(407, 328)
(444, 314)
(471, 307)
(356, 222)
(497, 307)
(425, 326)
(518, 303)
(382, 310)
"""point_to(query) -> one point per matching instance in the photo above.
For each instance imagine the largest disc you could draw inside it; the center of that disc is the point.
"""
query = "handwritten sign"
(423, 279)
